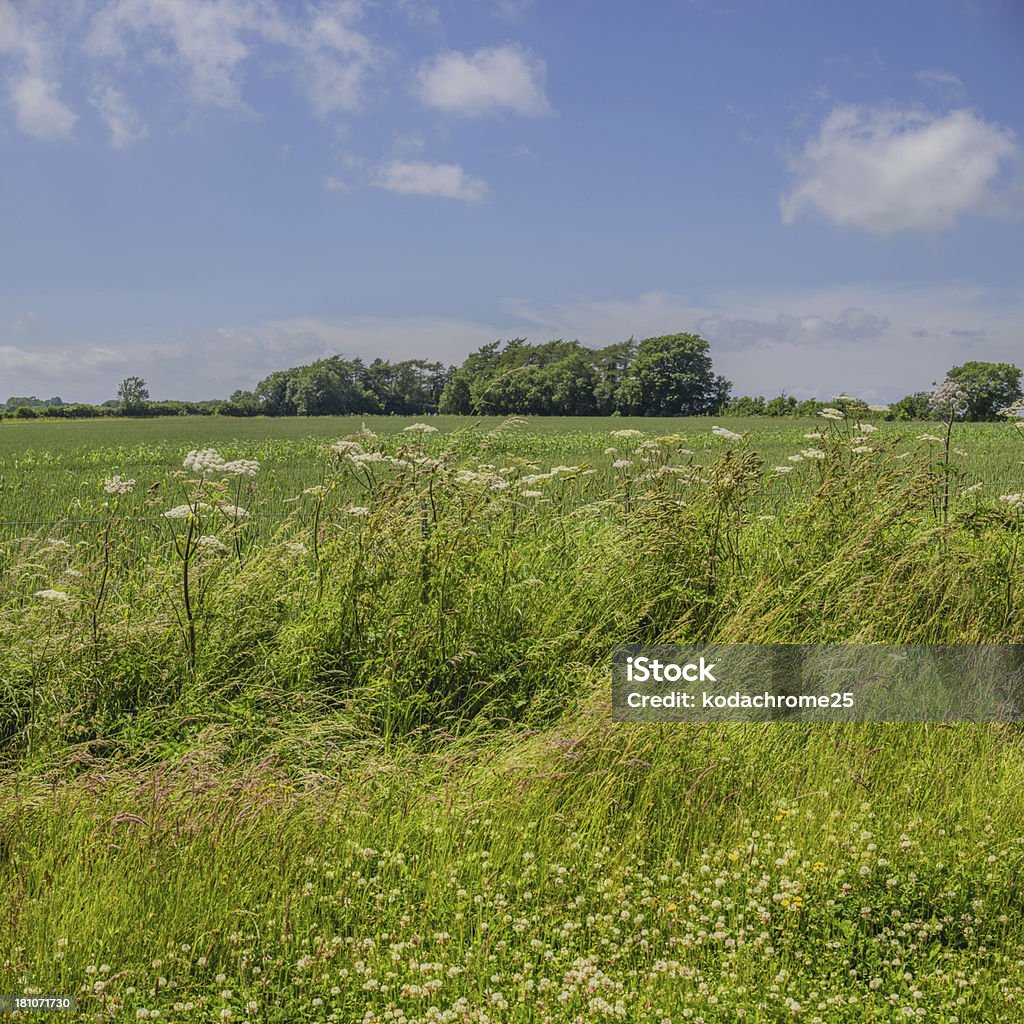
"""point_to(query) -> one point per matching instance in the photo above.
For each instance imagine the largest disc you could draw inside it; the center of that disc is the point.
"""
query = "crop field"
(308, 720)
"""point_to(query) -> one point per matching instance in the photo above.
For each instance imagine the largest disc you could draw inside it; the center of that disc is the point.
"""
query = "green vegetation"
(354, 762)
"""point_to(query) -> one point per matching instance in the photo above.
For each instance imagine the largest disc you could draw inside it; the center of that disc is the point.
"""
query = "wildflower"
(57, 596)
(831, 413)
(115, 485)
(795, 458)
(812, 453)
(730, 435)
(296, 547)
(211, 545)
(974, 487)
(344, 448)
(627, 433)
(242, 467)
(611, 451)
(56, 544)
(357, 510)
(184, 511)
(234, 511)
(865, 428)
(949, 397)
(532, 494)
(1013, 500)
(815, 435)
(783, 469)
(423, 428)
(861, 449)
(204, 461)
(878, 408)
(622, 464)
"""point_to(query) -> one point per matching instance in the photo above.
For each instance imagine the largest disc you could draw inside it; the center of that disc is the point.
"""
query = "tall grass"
(362, 768)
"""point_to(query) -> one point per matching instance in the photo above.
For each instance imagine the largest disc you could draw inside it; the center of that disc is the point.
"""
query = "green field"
(347, 755)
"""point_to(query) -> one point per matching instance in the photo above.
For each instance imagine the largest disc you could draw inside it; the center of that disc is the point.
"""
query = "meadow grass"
(357, 763)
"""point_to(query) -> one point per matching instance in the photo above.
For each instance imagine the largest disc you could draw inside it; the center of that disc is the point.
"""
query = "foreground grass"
(592, 873)
(365, 771)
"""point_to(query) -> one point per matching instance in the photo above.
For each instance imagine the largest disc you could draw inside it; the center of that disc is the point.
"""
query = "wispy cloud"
(489, 81)
(446, 181)
(887, 170)
(33, 84)
(121, 119)
(944, 82)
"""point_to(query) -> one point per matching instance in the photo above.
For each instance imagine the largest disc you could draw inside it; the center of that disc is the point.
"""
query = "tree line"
(670, 375)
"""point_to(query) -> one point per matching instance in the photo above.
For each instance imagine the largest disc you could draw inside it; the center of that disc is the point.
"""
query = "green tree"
(990, 387)
(912, 407)
(132, 396)
(672, 376)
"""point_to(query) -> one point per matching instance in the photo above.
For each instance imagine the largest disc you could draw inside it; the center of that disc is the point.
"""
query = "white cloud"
(335, 184)
(212, 42)
(205, 38)
(38, 109)
(942, 81)
(885, 170)
(486, 82)
(124, 123)
(337, 59)
(447, 181)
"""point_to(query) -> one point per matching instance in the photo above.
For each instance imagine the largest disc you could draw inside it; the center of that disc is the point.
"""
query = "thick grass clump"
(360, 767)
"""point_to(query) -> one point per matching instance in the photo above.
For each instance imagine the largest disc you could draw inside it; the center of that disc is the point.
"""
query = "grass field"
(331, 742)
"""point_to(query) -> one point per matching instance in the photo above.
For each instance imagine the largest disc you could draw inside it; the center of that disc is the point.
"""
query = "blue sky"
(202, 191)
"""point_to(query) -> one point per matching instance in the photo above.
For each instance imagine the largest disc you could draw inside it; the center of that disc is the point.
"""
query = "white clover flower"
(116, 485)
(783, 469)
(1013, 500)
(357, 510)
(831, 413)
(423, 428)
(730, 435)
(204, 461)
(812, 453)
(57, 596)
(622, 464)
(242, 467)
(211, 545)
(627, 433)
